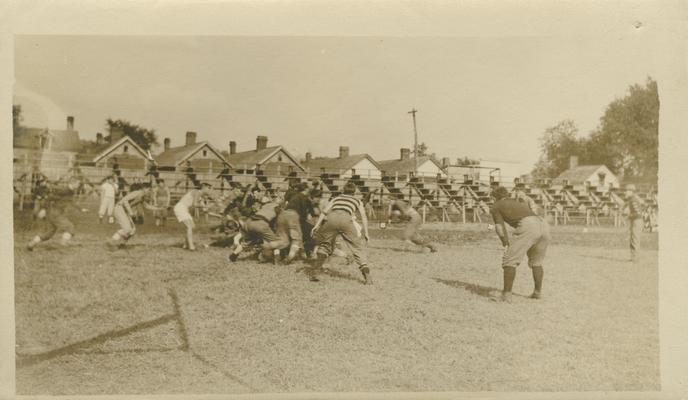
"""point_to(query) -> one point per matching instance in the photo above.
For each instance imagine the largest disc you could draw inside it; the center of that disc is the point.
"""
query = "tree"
(627, 137)
(422, 149)
(146, 138)
(558, 144)
(467, 162)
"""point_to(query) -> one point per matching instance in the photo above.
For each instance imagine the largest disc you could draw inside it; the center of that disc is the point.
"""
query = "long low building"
(201, 156)
(269, 160)
(345, 165)
(406, 165)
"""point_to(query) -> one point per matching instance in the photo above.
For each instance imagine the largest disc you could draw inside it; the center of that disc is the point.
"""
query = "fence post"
(587, 217)
(22, 194)
(463, 212)
(556, 217)
(423, 212)
(382, 207)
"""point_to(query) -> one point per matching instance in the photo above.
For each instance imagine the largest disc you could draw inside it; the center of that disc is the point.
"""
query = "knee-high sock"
(538, 275)
(509, 276)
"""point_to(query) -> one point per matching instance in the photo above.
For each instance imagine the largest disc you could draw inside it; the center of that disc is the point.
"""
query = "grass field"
(154, 318)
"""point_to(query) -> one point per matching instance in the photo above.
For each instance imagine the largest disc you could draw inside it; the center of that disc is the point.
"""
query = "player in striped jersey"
(339, 212)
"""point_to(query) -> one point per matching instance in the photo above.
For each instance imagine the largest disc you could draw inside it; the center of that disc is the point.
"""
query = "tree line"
(625, 140)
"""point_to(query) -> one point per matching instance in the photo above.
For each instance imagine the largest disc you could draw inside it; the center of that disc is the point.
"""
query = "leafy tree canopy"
(146, 138)
(626, 139)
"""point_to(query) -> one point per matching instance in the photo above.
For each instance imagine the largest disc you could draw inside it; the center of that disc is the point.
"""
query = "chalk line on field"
(186, 346)
(84, 347)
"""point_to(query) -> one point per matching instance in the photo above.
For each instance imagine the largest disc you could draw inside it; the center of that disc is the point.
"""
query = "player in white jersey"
(182, 211)
(108, 192)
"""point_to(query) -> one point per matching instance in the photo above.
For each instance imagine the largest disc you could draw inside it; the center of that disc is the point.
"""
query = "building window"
(205, 153)
(126, 148)
(279, 158)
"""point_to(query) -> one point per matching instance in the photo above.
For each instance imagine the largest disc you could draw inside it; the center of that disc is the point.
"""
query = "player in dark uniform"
(190, 176)
(234, 200)
(153, 174)
(291, 221)
(257, 228)
(530, 237)
(55, 205)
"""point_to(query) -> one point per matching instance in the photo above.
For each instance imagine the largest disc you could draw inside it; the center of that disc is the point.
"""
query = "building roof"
(177, 155)
(404, 166)
(125, 139)
(62, 140)
(578, 174)
(338, 163)
(252, 158)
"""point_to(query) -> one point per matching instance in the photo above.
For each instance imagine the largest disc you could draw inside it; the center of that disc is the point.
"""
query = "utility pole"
(415, 141)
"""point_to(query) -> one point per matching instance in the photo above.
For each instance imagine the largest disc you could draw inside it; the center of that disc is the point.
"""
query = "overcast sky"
(488, 98)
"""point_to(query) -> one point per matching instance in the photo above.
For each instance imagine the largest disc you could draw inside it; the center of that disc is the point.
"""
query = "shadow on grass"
(308, 271)
(484, 291)
(50, 246)
(418, 250)
(607, 258)
(24, 360)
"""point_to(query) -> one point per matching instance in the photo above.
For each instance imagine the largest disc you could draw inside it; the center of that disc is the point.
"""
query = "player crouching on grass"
(124, 209)
(402, 208)
(257, 228)
(56, 203)
(339, 213)
(530, 237)
(192, 198)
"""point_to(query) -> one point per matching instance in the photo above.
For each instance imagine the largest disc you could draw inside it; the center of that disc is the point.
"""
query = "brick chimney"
(70, 123)
(343, 151)
(166, 144)
(190, 138)
(116, 134)
(405, 153)
(573, 162)
(445, 162)
(99, 138)
(232, 147)
(261, 142)
(309, 156)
